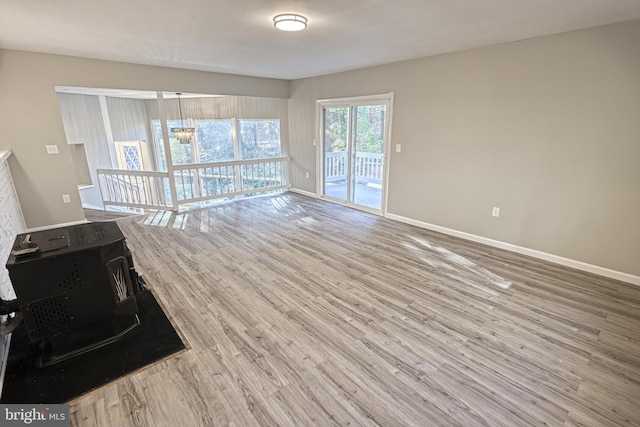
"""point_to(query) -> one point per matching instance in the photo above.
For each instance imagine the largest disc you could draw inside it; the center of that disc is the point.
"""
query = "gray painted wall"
(30, 117)
(547, 129)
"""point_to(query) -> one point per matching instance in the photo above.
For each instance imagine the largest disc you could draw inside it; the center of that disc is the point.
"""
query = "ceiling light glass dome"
(290, 22)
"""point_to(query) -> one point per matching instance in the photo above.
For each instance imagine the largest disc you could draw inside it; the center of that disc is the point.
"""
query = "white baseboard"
(579, 265)
(47, 227)
(303, 192)
(90, 206)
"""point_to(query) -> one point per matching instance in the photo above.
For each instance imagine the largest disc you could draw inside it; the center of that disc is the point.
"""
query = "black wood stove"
(75, 288)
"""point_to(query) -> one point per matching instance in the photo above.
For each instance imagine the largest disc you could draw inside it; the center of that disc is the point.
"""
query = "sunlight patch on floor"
(167, 219)
(286, 205)
(464, 263)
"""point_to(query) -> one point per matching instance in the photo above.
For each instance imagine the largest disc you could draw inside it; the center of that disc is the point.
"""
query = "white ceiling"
(237, 36)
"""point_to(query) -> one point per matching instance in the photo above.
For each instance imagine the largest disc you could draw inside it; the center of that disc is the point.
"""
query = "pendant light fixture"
(183, 134)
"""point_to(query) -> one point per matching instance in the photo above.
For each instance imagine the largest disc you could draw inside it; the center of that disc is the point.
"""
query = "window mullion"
(237, 154)
(194, 143)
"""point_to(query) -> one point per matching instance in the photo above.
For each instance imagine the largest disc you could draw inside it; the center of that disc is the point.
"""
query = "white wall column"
(162, 113)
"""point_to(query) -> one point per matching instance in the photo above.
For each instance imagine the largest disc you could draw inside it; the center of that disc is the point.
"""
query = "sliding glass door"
(336, 158)
(354, 137)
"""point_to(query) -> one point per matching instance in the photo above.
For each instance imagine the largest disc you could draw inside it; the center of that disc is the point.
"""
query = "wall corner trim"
(567, 262)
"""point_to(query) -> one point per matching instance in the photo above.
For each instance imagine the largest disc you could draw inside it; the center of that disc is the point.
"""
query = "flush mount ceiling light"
(290, 22)
(183, 134)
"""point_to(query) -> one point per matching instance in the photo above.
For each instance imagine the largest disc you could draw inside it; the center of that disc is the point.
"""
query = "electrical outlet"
(495, 212)
(398, 148)
(306, 175)
(52, 149)
(66, 198)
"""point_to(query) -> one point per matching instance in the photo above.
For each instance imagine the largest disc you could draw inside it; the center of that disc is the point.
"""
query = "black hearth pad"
(24, 382)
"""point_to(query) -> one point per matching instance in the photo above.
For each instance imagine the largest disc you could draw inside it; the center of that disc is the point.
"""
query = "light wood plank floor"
(300, 312)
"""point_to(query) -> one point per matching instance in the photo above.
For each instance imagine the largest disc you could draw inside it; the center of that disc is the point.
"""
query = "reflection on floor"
(100, 215)
(301, 312)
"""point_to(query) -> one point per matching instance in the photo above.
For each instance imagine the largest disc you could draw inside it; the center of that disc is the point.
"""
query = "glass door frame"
(382, 99)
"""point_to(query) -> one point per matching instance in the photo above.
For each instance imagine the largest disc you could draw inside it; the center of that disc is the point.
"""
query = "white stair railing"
(208, 181)
(193, 183)
(136, 189)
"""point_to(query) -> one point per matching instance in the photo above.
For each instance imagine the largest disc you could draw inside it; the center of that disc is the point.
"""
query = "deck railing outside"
(367, 167)
(193, 183)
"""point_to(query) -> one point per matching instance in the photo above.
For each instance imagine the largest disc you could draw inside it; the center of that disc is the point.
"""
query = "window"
(214, 140)
(260, 139)
(220, 140)
(132, 155)
(181, 154)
